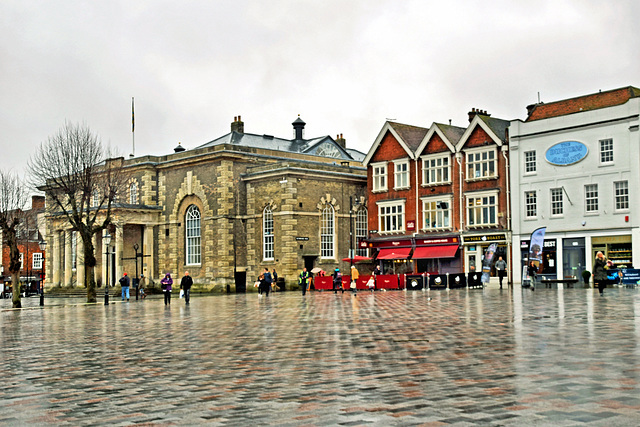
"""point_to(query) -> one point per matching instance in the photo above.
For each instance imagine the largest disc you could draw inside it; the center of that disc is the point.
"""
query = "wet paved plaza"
(460, 357)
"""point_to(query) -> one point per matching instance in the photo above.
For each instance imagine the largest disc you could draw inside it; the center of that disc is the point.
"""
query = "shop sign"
(411, 225)
(630, 276)
(302, 239)
(437, 241)
(485, 238)
(549, 244)
(566, 153)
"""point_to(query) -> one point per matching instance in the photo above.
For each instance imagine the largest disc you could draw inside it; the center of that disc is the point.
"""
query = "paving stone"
(463, 358)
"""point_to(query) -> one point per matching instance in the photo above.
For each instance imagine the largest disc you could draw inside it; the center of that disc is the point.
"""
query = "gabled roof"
(495, 128)
(449, 134)
(583, 103)
(409, 137)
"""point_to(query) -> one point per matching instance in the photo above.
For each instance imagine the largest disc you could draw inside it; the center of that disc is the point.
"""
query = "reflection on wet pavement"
(476, 357)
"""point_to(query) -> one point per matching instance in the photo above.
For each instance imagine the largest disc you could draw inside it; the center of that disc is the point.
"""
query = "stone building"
(225, 210)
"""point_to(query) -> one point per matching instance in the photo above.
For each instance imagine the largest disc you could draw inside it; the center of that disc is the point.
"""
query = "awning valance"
(445, 251)
(394, 253)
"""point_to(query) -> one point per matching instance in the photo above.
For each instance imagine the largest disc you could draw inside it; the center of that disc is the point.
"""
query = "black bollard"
(41, 295)
(106, 294)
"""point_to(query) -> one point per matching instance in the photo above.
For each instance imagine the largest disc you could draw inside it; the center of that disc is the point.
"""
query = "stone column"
(68, 265)
(119, 238)
(104, 257)
(149, 262)
(80, 263)
(55, 265)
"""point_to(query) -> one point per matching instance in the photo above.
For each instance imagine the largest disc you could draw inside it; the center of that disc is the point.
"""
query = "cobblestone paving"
(463, 358)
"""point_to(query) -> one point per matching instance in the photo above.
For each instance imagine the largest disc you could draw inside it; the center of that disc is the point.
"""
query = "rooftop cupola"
(179, 148)
(298, 128)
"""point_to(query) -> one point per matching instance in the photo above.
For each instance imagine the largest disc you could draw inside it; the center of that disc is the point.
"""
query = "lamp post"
(351, 251)
(43, 246)
(107, 241)
(137, 279)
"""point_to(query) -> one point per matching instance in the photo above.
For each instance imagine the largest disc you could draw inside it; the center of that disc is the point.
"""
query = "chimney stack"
(475, 112)
(237, 125)
(340, 140)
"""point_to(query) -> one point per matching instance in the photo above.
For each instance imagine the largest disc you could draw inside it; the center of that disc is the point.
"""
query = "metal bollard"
(106, 294)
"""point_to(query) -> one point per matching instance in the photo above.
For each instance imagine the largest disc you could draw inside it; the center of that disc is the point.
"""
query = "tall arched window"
(361, 230)
(327, 236)
(133, 193)
(192, 235)
(267, 234)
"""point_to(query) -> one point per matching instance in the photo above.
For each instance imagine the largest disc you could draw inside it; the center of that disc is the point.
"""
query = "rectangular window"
(267, 234)
(361, 231)
(591, 197)
(557, 205)
(481, 164)
(482, 209)
(622, 195)
(531, 204)
(436, 170)
(401, 177)
(379, 177)
(606, 151)
(530, 165)
(436, 214)
(391, 217)
(21, 260)
(37, 261)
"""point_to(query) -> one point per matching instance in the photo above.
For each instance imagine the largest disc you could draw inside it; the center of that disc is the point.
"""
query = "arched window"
(267, 234)
(361, 231)
(327, 233)
(192, 235)
(133, 193)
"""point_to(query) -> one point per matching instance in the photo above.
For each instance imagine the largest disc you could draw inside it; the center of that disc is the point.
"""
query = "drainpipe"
(417, 219)
(461, 212)
(506, 168)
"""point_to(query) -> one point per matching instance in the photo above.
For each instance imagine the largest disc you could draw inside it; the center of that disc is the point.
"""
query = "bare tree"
(13, 198)
(82, 180)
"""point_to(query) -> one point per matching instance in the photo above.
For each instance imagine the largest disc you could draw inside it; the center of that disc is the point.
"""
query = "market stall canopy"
(394, 253)
(446, 251)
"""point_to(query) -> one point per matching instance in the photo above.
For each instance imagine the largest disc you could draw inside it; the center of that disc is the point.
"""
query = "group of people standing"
(266, 281)
(166, 285)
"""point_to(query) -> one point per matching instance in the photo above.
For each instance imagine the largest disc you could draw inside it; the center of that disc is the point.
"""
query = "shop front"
(548, 269)
(618, 249)
(438, 255)
(476, 245)
(393, 255)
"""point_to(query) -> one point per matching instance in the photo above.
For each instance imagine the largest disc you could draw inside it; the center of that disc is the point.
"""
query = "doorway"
(573, 258)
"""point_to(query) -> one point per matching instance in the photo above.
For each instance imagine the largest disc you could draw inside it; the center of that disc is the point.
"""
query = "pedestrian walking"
(355, 274)
(165, 285)
(599, 272)
(185, 285)
(275, 281)
(141, 286)
(533, 273)
(376, 271)
(267, 280)
(303, 280)
(501, 267)
(337, 281)
(124, 285)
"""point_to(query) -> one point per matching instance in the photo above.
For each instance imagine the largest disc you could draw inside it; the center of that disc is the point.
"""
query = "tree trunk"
(15, 280)
(89, 273)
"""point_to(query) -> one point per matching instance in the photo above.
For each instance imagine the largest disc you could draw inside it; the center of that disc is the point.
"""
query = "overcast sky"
(344, 66)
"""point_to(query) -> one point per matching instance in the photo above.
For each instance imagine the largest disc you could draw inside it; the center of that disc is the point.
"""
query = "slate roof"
(453, 133)
(498, 126)
(589, 102)
(270, 142)
(411, 135)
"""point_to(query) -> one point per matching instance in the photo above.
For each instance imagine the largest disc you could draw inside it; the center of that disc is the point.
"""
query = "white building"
(575, 168)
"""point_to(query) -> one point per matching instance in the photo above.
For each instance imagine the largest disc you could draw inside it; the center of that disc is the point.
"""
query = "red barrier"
(361, 283)
(387, 281)
(401, 281)
(323, 283)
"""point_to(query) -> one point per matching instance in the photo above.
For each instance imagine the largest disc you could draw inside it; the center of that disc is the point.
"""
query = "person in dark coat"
(185, 285)
(124, 284)
(303, 280)
(599, 272)
(533, 273)
(165, 284)
(337, 281)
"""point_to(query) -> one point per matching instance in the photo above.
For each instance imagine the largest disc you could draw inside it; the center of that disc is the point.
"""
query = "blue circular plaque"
(566, 153)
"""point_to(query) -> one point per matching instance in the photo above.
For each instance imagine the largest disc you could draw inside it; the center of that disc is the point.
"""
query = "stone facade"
(230, 182)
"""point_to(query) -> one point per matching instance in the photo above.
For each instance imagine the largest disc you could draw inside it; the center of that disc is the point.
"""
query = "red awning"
(394, 253)
(357, 258)
(446, 251)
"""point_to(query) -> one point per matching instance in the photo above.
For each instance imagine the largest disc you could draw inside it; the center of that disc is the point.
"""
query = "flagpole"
(133, 130)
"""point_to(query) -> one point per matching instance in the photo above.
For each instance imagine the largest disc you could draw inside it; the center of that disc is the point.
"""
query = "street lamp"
(107, 241)
(43, 246)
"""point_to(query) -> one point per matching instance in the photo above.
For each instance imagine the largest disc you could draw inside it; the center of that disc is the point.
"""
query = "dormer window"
(401, 177)
(481, 164)
(379, 176)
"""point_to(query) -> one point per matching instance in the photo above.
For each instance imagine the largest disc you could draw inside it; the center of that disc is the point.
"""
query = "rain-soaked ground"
(460, 357)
